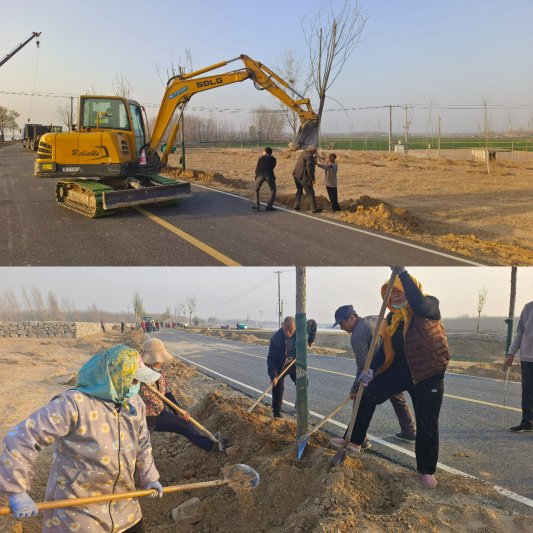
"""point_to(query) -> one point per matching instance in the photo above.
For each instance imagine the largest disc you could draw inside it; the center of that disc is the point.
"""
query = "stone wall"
(38, 329)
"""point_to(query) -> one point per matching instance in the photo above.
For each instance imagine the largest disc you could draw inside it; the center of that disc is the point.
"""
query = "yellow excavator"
(111, 161)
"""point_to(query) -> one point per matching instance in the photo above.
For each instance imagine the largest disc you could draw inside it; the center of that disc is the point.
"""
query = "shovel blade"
(307, 136)
(339, 457)
(302, 443)
(241, 477)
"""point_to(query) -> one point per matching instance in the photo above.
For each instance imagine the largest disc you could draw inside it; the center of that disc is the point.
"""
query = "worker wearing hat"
(415, 356)
(159, 417)
(101, 442)
(361, 331)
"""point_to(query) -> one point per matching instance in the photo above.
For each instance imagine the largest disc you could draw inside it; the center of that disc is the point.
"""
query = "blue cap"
(342, 313)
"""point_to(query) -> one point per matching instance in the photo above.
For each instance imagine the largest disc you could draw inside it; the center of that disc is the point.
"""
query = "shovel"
(270, 387)
(339, 457)
(223, 443)
(304, 439)
(238, 477)
(505, 394)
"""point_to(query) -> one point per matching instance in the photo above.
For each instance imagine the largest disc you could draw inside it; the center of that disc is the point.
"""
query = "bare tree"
(181, 310)
(38, 302)
(482, 300)
(122, 86)
(138, 307)
(8, 120)
(267, 125)
(291, 68)
(54, 311)
(63, 114)
(190, 303)
(28, 304)
(331, 38)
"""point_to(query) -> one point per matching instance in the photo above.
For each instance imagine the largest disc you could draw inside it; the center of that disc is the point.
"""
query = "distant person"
(157, 325)
(304, 178)
(159, 417)
(523, 341)
(143, 325)
(101, 445)
(122, 326)
(311, 332)
(102, 325)
(415, 356)
(361, 330)
(264, 171)
(331, 168)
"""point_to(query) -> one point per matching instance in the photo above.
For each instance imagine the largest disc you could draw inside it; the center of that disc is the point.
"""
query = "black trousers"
(427, 400)
(308, 188)
(333, 198)
(277, 391)
(271, 181)
(170, 422)
(527, 392)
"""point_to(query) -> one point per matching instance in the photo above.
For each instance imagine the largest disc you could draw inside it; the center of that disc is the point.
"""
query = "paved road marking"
(504, 492)
(462, 398)
(356, 229)
(224, 259)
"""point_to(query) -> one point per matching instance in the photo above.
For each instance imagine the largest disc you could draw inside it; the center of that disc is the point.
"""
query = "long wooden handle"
(267, 390)
(163, 398)
(370, 356)
(326, 418)
(78, 502)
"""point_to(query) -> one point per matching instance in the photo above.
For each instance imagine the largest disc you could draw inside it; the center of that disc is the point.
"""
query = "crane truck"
(111, 161)
(33, 35)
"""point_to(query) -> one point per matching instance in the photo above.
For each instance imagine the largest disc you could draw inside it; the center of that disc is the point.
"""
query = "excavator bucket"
(307, 136)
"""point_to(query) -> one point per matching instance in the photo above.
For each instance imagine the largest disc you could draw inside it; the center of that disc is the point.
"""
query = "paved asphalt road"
(472, 440)
(35, 231)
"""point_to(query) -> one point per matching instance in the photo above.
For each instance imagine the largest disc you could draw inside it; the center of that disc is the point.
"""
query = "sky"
(420, 53)
(251, 292)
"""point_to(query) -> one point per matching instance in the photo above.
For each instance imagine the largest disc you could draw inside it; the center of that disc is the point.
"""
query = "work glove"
(399, 270)
(157, 486)
(366, 377)
(22, 506)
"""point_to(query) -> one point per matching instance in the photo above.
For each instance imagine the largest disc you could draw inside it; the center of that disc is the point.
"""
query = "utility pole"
(301, 354)
(71, 121)
(406, 128)
(512, 301)
(438, 137)
(390, 128)
(280, 305)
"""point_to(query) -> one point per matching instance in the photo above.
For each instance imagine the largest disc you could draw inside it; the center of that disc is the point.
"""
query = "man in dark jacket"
(264, 171)
(282, 352)
(415, 353)
(304, 178)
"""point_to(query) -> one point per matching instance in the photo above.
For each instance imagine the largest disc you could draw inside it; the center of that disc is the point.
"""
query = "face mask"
(133, 390)
(398, 306)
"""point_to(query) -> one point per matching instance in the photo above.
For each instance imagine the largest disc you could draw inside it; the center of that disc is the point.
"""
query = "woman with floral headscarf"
(101, 440)
(414, 357)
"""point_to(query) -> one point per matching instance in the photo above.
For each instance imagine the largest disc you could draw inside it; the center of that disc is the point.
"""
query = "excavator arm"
(181, 88)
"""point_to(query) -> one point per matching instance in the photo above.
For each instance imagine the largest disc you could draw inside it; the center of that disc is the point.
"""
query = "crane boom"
(34, 35)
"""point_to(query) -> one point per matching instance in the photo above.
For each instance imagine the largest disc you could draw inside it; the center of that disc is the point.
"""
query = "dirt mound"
(234, 336)
(365, 493)
(199, 176)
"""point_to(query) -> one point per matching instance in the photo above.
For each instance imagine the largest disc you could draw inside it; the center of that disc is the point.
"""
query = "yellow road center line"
(483, 403)
(462, 398)
(224, 259)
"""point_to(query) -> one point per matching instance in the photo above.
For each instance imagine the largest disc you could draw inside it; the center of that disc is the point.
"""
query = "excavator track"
(88, 197)
(83, 197)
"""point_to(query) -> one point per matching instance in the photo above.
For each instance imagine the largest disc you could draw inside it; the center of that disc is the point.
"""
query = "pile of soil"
(206, 178)
(365, 493)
